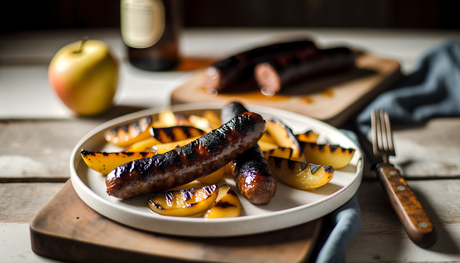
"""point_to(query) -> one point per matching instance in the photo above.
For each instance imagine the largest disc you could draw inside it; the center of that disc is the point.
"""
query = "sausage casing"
(239, 68)
(203, 156)
(251, 171)
(283, 71)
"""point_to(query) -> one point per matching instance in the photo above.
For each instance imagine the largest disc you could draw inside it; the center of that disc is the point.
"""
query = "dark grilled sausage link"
(253, 176)
(283, 71)
(251, 171)
(238, 68)
(189, 162)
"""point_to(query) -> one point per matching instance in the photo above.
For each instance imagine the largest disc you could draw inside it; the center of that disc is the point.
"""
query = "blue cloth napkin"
(432, 90)
(339, 227)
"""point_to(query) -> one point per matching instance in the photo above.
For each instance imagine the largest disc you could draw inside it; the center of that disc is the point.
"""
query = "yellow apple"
(84, 74)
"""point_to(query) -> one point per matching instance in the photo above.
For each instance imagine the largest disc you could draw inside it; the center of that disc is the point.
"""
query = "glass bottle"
(150, 30)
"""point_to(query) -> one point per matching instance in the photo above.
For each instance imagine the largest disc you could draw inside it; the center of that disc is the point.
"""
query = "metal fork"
(382, 135)
(413, 217)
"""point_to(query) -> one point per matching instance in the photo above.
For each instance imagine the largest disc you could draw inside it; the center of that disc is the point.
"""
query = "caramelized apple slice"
(166, 118)
(153, 145)
(212, 178)
(283, 136)
(193, 120)
(175, 133)
(185, 202)
(282, 152)
(266, 146)
(164, 147)
(104, 162)
(227, 204)
(300, 175)
(327, 154)
(308, 136)
(192, 184)
(209, 179)
(266, 137)
(213, 119)
(129, 133)
(142, 145)
(200, 122)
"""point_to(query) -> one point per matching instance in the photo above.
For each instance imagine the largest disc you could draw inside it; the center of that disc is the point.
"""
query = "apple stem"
(83, 41)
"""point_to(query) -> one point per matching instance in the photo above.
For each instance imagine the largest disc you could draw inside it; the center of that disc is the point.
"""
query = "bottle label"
(142, 22)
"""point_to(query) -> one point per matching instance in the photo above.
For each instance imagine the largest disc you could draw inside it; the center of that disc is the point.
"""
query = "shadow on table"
(445, 243)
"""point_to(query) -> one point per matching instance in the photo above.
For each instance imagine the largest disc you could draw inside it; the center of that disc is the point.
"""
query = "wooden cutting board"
(332, 98)
(67, 229)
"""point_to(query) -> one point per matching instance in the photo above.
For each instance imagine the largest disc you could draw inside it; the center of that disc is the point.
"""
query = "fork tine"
(376, 139)
(388, 133)
(382, 135)
(384, 132)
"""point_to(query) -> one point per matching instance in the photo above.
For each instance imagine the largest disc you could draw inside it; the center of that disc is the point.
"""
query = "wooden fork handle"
(416, 223)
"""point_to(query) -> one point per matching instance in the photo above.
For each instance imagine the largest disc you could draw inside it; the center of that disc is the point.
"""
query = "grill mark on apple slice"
(328, 169)
(303, 165)
(314, 167)
(125, 127)
(187, 193)
(169, 196)
(210, 189)
(137, 127)
(224, 205)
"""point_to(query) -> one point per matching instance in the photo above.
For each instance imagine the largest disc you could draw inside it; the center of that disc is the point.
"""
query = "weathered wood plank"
(22, 201)
(66, 228)
(382, 237)
(39, 148)
(15, 245)
(431, 150)
(426, 151)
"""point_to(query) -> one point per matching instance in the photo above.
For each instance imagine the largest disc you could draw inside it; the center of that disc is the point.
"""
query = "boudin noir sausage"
(252, 174)
(189, 162)
(238, 68)
(283, 71)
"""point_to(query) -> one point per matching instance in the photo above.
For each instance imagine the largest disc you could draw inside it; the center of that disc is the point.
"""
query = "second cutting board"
(332, 98)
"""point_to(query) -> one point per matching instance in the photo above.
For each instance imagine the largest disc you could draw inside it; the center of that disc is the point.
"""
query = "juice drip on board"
(255, 95)
(309, 99)
(306, 100)
(328, 93)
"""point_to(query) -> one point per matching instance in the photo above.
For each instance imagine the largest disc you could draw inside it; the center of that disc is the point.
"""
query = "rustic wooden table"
(37, 135)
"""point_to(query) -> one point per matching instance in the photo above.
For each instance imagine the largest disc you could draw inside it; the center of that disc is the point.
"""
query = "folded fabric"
(432, 90)
(339, 228)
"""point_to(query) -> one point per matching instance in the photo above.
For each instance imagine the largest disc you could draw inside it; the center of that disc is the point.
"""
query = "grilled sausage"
(283, 71)
(252, 174)
(189, 162)
(238, 68)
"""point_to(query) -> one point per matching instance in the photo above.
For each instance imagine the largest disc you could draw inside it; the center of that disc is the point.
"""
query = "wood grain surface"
(382, 237)
(67, 229)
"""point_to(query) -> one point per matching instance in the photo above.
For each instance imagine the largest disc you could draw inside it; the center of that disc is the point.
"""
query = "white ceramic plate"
(287, 208)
